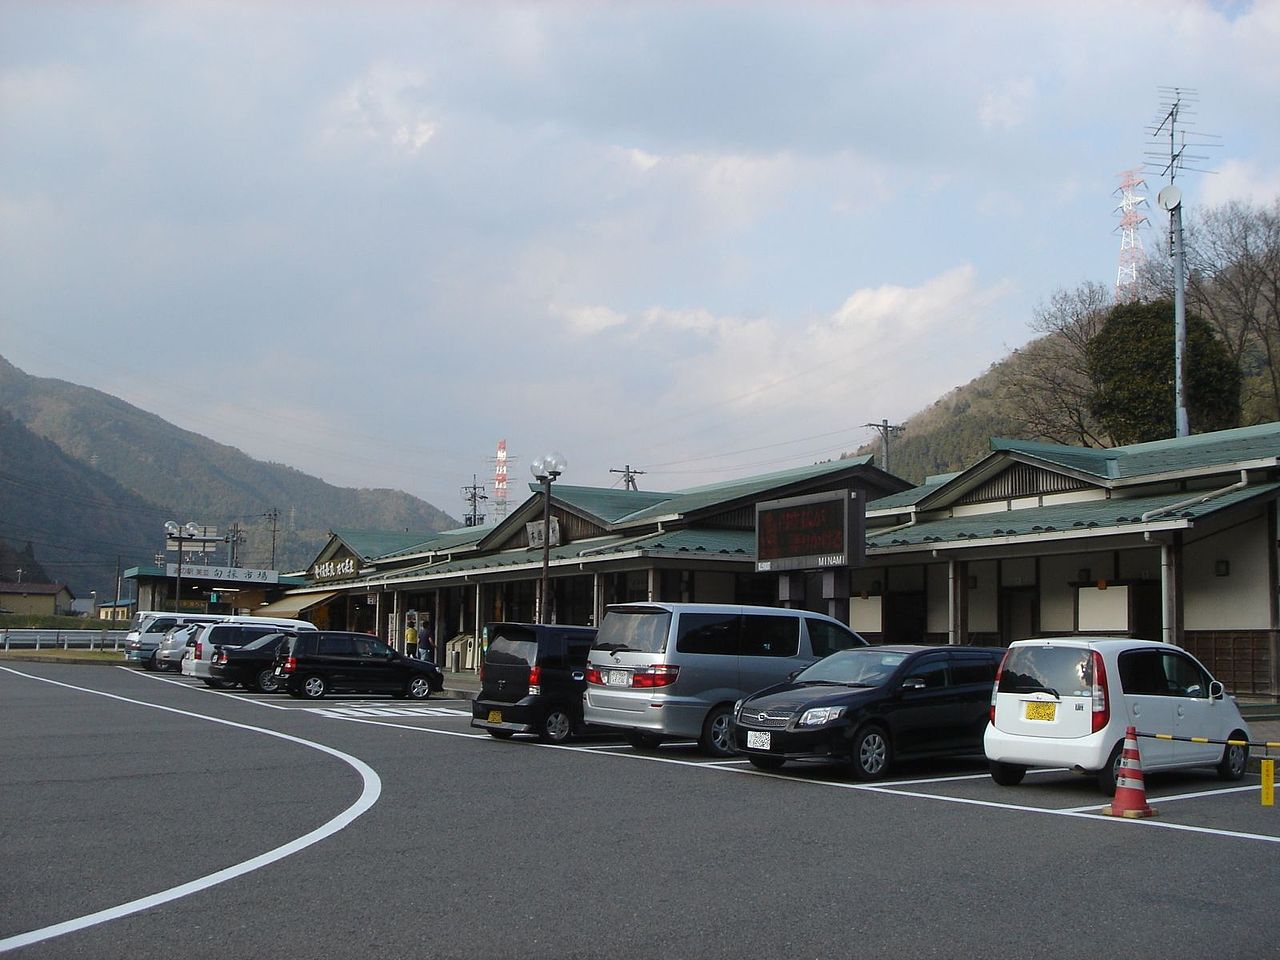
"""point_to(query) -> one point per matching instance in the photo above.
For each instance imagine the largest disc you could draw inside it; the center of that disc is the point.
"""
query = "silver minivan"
(675, 670)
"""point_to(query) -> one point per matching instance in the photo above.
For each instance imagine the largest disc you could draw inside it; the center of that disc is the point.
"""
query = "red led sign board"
(810, 533)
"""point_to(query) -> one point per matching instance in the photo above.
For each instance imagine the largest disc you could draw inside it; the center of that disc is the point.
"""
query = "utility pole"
(629, 476)
(274, 516)
(886, 430)
(473, 495)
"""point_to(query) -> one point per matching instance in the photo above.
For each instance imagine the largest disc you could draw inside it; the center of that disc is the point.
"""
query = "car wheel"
(150, 663)
(1235, 759)
(314, 687)
(766, 763)
(502, 734)
(871, 753)
(717, 733)
(1006, 774)
(555, 727)
(266, 681)
(419, 688)
(1108, 774)
(642, 741)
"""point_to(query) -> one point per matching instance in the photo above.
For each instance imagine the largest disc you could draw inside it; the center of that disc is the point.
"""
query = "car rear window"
(643, 631)
(1062, 671)
(514, 647)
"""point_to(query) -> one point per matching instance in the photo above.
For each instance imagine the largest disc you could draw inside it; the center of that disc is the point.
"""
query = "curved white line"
(368, 797)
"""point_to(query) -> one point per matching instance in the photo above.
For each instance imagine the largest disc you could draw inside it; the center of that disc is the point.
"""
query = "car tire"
(642, 741)
(265, 681)
(766, 763)
(314, 686)
(1235, 759)
(419, 688)
(151, 663)
(1107, 775)
(717, 733)
(872, 753)
(1006, 774)
(501, 734)
(556, 726)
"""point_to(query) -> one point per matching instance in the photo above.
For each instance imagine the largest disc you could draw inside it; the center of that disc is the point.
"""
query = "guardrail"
(50, 639)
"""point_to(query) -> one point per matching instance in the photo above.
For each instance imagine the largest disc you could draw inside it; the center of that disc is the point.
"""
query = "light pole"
(190, 532)
(545, 470)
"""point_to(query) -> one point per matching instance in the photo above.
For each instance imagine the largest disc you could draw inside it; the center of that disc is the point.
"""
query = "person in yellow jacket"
(411, 640)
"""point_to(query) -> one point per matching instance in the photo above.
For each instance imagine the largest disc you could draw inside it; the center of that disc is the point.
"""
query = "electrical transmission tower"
(886, 430)
(629, 476)
(1131, 220)
(500, 464)
(473, 495)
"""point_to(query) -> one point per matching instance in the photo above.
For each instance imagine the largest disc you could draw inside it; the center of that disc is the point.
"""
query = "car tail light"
(199, 648)
(1101, 703)
(290, 665)
(535, 680)
(594, 676)
(659, 675)
(996, 686)
(220, 657)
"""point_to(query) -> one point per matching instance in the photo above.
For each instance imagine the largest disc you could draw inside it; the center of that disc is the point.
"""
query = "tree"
(1050, 385)
(1131, 363)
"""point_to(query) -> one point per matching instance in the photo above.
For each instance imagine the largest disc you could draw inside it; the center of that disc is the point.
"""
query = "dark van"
(532, 680)
(316, 662)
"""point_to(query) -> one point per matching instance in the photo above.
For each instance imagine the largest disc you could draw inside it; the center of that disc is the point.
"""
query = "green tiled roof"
(607, 504)
(910, 497)
(1061, 518)
(1092, 460)
(368, 544)
(684, 502)
(741, 543)
(444, 541)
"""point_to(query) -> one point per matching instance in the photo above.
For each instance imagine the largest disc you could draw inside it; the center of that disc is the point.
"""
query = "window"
(770, 636)
(513, 647)
(1063, 671)
(933, 671)
(826, 637)
(1142, 673)
(336, 647)
(1184, 678)
(710, 633)
(966, 670)
(644, 631)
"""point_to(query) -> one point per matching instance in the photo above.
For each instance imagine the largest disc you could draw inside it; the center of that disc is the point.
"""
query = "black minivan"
(315, 662)
(532, 680)
(871, 706)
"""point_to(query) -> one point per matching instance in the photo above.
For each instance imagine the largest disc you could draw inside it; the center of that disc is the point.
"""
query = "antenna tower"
(473, 495)
(500, 464)
(1131, 219)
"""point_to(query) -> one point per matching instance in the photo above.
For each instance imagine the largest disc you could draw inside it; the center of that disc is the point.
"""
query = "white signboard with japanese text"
(229, 574)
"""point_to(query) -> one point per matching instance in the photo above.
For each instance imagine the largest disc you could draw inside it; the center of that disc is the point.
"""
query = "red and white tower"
(500, 482)
(1131, 220)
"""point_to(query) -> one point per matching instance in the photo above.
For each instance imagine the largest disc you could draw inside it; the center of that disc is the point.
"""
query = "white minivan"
(661, 671)
(1067, 701)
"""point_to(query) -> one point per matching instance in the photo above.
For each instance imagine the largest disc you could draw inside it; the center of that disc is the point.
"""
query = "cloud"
(386, 106)
(1009, 106)
(1242, 180)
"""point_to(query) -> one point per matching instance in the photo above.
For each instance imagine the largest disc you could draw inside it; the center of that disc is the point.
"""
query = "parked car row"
(777, 685)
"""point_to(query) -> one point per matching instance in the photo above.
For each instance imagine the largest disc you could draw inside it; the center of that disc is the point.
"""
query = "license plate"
(1038, 710)
(495, 716)
(756, 740)
(618, 678)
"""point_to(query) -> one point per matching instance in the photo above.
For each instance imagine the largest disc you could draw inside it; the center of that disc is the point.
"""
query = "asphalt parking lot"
(461, 844)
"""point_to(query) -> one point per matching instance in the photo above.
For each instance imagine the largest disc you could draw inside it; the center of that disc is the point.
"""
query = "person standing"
(411, 640)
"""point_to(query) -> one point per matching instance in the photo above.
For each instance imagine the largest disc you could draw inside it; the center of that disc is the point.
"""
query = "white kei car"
(1066, 702)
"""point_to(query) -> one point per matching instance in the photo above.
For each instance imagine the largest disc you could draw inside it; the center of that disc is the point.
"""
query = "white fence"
(39, 639)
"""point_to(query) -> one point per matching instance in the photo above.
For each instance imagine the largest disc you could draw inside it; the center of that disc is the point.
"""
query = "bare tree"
(1049, 386)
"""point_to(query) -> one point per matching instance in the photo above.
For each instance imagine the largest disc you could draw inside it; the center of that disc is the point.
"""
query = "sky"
(703, 240)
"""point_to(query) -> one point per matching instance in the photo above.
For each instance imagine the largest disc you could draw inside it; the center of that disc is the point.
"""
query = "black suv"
(870, 706)
(532, 681)
(314, 663)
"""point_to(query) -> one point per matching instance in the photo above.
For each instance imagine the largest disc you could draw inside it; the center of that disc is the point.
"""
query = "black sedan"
(870, 706)
(252, 666)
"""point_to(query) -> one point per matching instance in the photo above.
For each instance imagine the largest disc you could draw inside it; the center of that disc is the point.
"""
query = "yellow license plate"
(1041, 711)
(495, 716)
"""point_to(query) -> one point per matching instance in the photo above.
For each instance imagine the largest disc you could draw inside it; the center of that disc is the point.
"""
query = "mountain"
(166, 473)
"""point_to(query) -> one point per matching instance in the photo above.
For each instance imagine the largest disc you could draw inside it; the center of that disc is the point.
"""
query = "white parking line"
(369, 793)
(204, 689)
(1175, 798)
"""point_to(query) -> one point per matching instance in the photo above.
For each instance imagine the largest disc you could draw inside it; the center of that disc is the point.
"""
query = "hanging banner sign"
(198, 571)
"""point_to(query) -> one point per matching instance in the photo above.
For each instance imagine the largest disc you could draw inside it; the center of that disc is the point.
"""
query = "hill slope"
(189, 477)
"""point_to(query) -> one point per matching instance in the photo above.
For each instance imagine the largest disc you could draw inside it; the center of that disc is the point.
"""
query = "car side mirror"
(913, 683)
(1216, 690)
(792, 675)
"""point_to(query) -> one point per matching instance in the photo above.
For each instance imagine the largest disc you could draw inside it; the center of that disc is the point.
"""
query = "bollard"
(58, 636)
(6, 638)
(37, 641)
(1268, 783)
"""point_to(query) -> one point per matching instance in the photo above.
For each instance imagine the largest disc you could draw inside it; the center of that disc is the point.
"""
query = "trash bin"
(455, 660)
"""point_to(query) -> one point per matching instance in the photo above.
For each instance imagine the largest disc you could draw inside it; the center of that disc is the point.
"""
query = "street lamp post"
(190, 532)
(545, 470)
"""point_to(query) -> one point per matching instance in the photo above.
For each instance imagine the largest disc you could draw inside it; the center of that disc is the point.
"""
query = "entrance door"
(1019, 618)
(904, 618)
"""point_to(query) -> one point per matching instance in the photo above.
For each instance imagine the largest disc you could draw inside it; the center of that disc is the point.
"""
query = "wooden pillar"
(958, 601)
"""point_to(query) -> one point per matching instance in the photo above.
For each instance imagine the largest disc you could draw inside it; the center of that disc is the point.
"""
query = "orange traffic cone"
(1131, 794)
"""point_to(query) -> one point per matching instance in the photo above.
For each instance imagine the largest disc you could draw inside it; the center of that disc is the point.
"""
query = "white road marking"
(1175, 798)
(371, 790)
(204, 689)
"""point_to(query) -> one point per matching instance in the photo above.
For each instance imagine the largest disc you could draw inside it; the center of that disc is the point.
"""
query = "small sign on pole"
(1268, 783)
